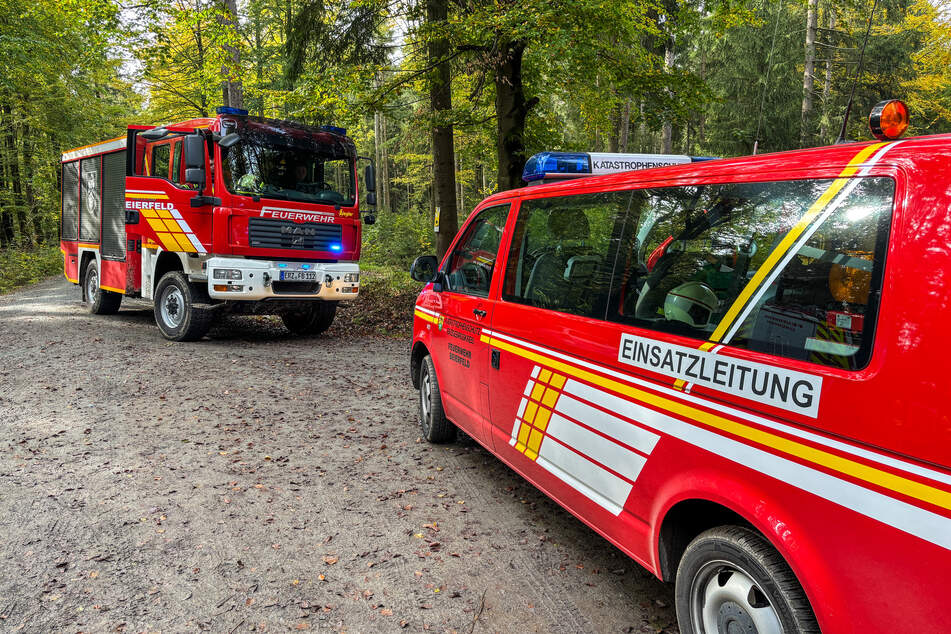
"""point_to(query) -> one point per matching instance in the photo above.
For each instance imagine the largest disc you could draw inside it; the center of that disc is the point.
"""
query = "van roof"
(830, 156)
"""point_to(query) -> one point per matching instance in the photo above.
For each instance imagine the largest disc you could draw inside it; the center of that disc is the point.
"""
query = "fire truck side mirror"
(195, 159)
(369, 174)
(371, 198)
(229, 139)
(194, 152)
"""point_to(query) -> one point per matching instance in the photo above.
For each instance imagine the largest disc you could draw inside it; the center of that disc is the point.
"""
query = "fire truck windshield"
(274, 160)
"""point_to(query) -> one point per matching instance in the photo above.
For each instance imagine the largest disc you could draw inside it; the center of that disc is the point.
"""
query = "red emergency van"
(732, 370)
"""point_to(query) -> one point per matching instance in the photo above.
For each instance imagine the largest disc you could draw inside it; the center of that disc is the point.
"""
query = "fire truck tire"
(730, 579)
(313, 318)
(436, 427)
(99, 301)
(175, 312)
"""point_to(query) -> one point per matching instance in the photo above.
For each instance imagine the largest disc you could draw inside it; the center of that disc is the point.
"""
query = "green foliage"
(397, 239)
(19, 267)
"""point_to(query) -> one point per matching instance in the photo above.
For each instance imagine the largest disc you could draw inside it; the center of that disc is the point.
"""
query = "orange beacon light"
(888, 120)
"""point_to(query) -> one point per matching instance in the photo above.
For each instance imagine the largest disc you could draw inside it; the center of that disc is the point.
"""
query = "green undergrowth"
(20, 267)
(385, 304)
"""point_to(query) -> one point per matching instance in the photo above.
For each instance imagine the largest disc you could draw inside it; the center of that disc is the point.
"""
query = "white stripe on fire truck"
(888, 510)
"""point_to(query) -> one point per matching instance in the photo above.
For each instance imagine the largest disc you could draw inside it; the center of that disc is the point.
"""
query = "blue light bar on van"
(334, 130)
(230, 110)
(564, 165)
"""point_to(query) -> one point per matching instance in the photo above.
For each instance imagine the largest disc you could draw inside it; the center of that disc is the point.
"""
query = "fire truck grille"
(268, 233)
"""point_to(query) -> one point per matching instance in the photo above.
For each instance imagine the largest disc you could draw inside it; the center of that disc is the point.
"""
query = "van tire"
(99, 301)
(175, 312)
(312, 318)
(731, 574)
(432, 419)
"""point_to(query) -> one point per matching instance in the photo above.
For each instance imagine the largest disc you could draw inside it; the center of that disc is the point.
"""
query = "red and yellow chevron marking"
(542, 395)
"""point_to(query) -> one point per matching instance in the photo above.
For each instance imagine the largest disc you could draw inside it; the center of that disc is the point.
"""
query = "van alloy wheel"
(724, 599)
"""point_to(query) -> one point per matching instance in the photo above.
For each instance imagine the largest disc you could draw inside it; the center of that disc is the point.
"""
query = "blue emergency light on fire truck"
(551, 166)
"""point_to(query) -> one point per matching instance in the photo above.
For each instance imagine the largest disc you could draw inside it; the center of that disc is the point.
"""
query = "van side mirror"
(424, 268)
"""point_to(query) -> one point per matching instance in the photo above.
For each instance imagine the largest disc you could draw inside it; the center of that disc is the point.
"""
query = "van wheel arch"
(420, 351)
(683, 522)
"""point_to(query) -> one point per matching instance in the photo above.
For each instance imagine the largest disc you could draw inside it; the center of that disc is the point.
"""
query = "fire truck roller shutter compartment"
(70, 226)
(89, 208)
(113, 206)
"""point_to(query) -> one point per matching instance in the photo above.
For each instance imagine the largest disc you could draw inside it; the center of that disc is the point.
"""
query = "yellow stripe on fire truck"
(170, 227)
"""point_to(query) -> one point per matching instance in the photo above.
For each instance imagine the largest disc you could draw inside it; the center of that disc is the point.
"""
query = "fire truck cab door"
(462, 359)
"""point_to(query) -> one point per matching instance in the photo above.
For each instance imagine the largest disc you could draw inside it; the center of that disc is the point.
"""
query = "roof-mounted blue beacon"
(546, 167)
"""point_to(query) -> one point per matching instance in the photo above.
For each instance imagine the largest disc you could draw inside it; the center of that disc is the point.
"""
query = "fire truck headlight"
(351, 277)
(227, 274)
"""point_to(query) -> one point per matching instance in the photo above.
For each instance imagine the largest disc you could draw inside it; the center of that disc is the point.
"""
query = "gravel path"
(258, 482)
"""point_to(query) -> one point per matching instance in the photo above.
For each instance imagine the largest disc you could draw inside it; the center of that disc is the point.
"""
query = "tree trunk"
(625, 126)
(827, 89)
(440, 97)
(16, 208)
(511, 109)
(385, 166)
(808, 75)
(667, 138)
(232, 93)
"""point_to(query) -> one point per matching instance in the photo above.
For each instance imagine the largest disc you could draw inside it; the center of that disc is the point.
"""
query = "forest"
(452, 96)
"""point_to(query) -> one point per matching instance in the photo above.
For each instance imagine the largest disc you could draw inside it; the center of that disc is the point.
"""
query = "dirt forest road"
(258, 482)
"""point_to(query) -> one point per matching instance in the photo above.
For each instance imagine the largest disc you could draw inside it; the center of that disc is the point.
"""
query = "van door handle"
(478, 313)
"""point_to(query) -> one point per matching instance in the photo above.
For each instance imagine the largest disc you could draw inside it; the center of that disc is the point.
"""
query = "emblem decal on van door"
(787, 389)
(594, 452)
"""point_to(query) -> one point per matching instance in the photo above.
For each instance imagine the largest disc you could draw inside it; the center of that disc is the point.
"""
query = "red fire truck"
(732, 370)
(231, 213)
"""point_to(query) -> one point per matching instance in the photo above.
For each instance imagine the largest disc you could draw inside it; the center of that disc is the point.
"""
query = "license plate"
(299, 276)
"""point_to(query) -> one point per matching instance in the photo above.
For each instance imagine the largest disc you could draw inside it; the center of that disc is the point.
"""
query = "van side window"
(820, 303)
(772, 267)
(563, 250)
(472, 263)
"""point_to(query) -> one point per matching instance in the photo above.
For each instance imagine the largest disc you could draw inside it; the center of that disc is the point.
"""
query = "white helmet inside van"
(692, 303)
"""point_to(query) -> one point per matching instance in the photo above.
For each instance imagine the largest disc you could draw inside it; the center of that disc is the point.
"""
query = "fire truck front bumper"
(255, 280)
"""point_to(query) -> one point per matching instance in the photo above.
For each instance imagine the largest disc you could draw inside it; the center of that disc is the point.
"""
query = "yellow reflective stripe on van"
(425, 317)
(846, 466)
(790, 239)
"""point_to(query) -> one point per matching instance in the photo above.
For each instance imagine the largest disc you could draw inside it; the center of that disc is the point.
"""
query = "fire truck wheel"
(175, 312)
(731, 579)
(312, 319)
(100, 302)
(432, 418)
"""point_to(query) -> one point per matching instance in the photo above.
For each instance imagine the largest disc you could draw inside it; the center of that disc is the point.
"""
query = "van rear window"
(790, 268)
